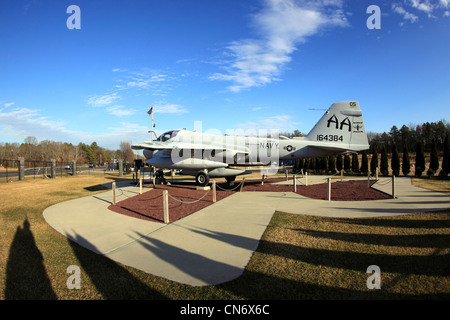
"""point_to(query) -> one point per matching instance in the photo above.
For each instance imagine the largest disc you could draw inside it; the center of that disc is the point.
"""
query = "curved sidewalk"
(215, 244)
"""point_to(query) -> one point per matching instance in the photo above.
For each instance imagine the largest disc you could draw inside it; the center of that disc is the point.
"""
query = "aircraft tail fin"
(341, 125)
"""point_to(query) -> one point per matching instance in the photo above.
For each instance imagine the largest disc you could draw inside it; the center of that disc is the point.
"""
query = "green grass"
(299, 257)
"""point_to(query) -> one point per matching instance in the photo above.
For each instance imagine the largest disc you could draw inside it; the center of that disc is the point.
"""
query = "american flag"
(150, 111)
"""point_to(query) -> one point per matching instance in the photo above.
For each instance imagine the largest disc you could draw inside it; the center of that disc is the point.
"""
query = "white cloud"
(20, 123)
(102, 100)
(424, 6)
(150, 80)
(421, 6)
(406, 15)
(120, 111)
(282, 25)
(170, 108)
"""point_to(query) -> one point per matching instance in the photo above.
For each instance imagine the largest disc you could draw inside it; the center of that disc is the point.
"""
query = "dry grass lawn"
(299, 257)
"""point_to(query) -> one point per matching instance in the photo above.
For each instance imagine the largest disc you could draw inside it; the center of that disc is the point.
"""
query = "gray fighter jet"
(339, 131)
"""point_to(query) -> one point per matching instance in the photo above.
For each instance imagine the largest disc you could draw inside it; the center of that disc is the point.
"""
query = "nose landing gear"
(202, 178)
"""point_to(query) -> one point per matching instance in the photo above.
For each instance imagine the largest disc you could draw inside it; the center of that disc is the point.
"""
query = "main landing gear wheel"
(230, 179)
(202, 179)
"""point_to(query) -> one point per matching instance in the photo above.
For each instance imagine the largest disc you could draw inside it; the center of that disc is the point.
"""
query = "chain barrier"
(232, 189)
(135, 193)
(188, 202)
(383, 183)
(298, 181)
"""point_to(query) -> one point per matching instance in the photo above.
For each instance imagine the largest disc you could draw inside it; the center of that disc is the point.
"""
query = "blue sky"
(230, 64)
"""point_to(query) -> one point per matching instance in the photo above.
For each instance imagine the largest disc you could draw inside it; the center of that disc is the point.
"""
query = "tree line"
(33, 150)
(386, 161)
(409, 136)
(424, 148)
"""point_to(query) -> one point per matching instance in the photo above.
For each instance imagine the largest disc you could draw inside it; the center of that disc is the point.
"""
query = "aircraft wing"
(157, 145)
(152, 145)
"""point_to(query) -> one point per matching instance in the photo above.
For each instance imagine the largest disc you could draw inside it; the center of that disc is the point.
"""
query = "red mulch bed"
(149, 205)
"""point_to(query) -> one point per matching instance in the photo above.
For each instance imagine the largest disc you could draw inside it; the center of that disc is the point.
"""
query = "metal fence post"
(329, 189)
(21, 168)
(53, 168)
(74, 168)
(120, 168)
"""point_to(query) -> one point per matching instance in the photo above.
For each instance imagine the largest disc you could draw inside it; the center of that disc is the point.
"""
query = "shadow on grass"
(26, 277)
(111, 280)
(442, 220)
(261, 286)
(279, 286)
(430, 265)
(436, 241)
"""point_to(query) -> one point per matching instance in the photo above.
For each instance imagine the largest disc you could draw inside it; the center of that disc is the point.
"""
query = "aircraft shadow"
(190, 263)
(111, 280)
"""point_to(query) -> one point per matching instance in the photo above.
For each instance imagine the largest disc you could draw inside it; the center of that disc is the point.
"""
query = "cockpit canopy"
(167, 135)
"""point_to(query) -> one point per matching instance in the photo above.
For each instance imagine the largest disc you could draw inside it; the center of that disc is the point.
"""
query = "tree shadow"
(430, 265)
(288, 289)
(438, 241)
(113, 281)
(26, 277)
(403, 222)
(282, 288)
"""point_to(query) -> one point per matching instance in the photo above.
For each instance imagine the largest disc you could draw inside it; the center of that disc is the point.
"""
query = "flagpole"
(150, 112)
(152, 118)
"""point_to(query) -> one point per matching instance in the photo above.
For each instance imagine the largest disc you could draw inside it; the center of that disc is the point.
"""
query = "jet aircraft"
(339, 131)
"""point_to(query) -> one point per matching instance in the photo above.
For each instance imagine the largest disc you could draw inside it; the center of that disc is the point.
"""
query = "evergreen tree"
(406, 165)
(446, 158)
(312, 164)
(317, 165)
(355, 163)
(346, 163)
(374, 161)
(324, 164)
(395, 164)
(384, 162)
(307, 164)
(364, 163)
(434, 158)
(339, 162)
(332, 164)
(420, 159)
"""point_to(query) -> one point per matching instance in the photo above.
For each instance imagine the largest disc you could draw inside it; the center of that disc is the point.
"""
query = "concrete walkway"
(215, 244)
